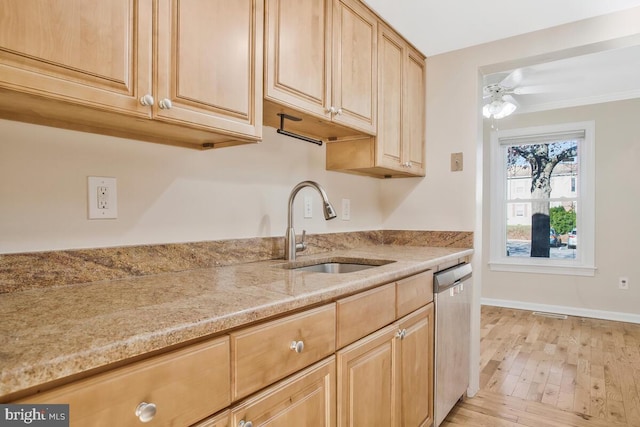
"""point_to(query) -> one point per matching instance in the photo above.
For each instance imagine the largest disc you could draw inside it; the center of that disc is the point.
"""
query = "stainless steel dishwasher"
(452, 295)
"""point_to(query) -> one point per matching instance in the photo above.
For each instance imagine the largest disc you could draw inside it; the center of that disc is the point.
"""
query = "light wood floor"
(537, 371)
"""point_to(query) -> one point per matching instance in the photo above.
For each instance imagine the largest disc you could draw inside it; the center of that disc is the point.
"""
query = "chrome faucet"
(291, 247)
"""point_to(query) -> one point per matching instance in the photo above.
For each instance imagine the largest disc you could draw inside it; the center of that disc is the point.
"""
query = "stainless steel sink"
(338, 266)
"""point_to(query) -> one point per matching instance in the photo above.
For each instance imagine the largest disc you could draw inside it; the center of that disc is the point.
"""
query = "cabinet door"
(87, 52)
(415, 113)
(209, 64)
(298, 54)
(305, 399)
(354, 62)
(367, 386)
(391, 51)
(401, 112)
(416, 367)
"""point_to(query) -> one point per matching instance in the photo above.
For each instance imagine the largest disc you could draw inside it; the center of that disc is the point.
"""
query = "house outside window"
(542, 192)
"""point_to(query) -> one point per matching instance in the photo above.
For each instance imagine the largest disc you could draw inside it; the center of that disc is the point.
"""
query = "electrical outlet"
(308, 207)
(102, 197)
(346, 209)
(623, 283)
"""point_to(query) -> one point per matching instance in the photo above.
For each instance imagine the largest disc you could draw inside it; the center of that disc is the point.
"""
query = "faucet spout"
(291, 247)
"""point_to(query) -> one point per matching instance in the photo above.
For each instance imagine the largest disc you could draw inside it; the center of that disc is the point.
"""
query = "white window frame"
(584, 264)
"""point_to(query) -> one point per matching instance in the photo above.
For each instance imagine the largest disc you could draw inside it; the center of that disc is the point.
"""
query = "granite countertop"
(53, 333)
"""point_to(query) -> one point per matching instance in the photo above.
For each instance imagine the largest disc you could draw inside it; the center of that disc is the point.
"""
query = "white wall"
(165, 194)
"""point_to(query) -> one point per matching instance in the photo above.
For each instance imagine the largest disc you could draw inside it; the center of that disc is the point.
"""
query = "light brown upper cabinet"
(320, 65)
(183, 72)
(401, 110)
(91, 53)
(398, 148)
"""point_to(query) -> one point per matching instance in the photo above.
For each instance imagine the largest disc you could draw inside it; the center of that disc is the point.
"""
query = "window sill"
(543, 268)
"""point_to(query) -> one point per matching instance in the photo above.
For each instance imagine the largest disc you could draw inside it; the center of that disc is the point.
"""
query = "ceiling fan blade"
(511, 99)
(534, 89)
(513, 79)
(495, 78)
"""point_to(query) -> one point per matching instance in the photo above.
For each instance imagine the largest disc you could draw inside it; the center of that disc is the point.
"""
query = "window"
(542, 189)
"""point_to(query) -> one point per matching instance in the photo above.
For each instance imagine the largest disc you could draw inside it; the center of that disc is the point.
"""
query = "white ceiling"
(438, 26)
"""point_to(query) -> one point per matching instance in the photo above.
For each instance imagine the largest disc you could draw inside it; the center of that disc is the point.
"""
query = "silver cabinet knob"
(339, 111)
(147, 100)
(146, 411)
(165, 104)
(401, 333)
(297, 346)
(244, 423)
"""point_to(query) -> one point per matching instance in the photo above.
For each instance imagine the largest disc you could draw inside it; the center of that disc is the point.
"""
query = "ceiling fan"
(499, 93)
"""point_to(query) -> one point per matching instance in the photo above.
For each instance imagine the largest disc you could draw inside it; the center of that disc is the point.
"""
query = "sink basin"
(335, 267)
(338, 266)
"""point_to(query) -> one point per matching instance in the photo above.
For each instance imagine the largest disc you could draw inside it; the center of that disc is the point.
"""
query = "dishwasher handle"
(450, 277)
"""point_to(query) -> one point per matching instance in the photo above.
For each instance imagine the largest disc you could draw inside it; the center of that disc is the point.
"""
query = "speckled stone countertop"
(48, 334)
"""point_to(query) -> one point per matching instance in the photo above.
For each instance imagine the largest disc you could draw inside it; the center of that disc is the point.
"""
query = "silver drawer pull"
(146, 411)
(297, 346)
(244, 423)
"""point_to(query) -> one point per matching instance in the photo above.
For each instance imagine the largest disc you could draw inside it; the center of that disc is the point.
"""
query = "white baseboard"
(570, 311)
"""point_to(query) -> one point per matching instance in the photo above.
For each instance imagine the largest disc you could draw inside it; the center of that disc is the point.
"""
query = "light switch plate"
(308, 207)
(456, 162)
(346, 209)
(102, 197)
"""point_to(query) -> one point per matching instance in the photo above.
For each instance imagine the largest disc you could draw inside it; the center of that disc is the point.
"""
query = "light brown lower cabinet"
(263, 354)
(183, 387)
(416, 367)
(304, 399)
(386, 378)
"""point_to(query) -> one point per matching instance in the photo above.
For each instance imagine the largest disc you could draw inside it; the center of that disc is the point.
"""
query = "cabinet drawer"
(219, 420)
(413, 292)
(263, 354)
(364, 313)
(186, 386)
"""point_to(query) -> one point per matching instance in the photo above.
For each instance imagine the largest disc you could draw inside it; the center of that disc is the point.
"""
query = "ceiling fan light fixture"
(498, 108)
(507, 109)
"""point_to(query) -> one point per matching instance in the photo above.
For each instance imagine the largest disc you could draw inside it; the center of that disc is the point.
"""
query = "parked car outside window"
(554, 238)
(572, 242)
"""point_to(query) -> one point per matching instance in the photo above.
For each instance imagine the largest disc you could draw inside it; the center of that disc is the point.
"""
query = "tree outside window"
(545, 165)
